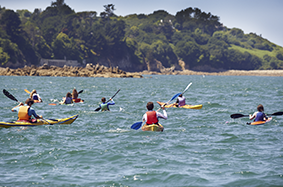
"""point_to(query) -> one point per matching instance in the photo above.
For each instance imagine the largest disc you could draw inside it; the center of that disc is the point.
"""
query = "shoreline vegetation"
(102, 71)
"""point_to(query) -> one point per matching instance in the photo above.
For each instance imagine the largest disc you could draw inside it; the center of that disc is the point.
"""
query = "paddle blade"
(136, 125)
(187, 88)
(238, 115)
(175, 96)
(52, 104)
(10, 96)
(27, 91)
(97, 109)
(80, 92)
(277, 114)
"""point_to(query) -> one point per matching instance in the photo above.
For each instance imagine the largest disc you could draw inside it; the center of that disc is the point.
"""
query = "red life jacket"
(151, 117)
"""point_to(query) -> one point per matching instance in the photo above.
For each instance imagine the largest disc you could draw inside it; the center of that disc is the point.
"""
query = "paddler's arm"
(144, 118)
(14, 109)
(112, 102)
(252, 116)
(31, 112)
(266, 117)
(164, 115)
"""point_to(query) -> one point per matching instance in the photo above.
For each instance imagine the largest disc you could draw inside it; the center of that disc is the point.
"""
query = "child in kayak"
(68, 99)
(25, 112)
(259, 115)
(35, 96)
(151, 116)
(105, 106)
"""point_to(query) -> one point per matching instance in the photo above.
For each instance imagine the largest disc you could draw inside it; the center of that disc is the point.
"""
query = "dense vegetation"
(192, 36)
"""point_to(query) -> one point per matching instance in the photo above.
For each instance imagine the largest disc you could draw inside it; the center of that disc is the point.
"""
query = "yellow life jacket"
(23, 113)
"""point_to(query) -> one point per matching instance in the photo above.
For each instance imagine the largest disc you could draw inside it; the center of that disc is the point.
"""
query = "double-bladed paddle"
(98, 108)
(234, 116)
(137, 125)
(10, 96)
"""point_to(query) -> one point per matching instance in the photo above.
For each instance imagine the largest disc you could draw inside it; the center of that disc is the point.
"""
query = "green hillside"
(191, 36)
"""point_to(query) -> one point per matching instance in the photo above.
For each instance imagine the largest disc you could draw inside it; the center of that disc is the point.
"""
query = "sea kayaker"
(259, 115)
(181, 101)
(151, 116)
(105, 106)
(68, 99)
(35, 96)
(25, 112)
(75, 94)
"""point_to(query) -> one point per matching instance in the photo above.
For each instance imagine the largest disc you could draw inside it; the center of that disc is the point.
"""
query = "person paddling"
(35, 96)
(75, 96)
(68, 99)
(105, 106)
(25, 112)
(151, 116)
(259, 115)
(181, 101)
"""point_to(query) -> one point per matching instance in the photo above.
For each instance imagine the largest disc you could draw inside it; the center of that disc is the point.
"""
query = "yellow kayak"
(38, 122)
(153, 127)
(185, 106)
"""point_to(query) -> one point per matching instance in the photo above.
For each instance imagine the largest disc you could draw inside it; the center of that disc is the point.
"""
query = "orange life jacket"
(151, 117)
(23, 113)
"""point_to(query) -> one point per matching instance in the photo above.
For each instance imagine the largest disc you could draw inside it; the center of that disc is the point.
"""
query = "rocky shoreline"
(68, 71)
(102, 71)
(274, 73)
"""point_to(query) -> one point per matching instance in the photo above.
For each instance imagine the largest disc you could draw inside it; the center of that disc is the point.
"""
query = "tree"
(108, 12)
(11, 22)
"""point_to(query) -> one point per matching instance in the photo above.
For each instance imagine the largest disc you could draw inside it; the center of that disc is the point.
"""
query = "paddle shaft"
(242, 115)
(113, 96)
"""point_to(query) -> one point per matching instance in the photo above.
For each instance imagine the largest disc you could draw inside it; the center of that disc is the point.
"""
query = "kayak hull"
(153, 127)
(78, 100)
(185, 106)
(39, 122)
(260, 122)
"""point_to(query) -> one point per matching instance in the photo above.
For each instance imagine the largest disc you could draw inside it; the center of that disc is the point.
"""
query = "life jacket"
(259, 116)
(23, 113)
(68, 100)
(182, 101)
(151, 117)
(104, 107)
(35, 97)
(77, 100)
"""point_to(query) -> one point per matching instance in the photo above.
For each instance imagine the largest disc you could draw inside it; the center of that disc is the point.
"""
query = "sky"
(263, 17)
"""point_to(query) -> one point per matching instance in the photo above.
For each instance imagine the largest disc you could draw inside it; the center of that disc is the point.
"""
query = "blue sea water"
(197, 148)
